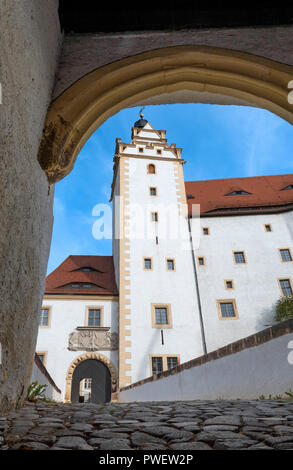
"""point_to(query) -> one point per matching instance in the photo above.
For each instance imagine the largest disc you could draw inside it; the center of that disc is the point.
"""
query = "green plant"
(35, 391)
(284, 308)
(289, 393)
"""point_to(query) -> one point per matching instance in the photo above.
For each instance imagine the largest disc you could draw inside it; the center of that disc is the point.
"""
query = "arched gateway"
(95, 369)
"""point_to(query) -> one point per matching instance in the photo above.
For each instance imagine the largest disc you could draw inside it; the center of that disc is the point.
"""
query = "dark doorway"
(99, 377)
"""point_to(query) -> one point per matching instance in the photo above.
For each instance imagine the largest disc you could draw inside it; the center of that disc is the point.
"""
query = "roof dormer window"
(239, 192)
(290, 186)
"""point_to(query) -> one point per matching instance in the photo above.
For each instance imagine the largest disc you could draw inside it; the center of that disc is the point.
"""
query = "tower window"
(229, 284)
(268, 228)
(161, 316)
(285, 254)
(227, 309)
(205, 231)
(239, 257)
(157, 365)
(172, 361)
(285, 286)
(163, 362)
(170, 264)
(151, 169)
(159, 152)
(155, 217)
(147, 263)
(201, 260)
(153, 191)
(140, 149)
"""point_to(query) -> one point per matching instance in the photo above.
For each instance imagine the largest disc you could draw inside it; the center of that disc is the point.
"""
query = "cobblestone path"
(193, 425)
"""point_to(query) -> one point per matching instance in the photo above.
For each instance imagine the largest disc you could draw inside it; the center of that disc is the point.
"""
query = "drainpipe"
(197, 290)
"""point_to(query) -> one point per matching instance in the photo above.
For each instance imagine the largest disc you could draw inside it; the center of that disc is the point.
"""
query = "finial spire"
(140, 112)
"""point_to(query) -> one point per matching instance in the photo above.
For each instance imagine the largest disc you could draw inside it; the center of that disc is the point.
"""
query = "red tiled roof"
(103, 278)
(265, 192)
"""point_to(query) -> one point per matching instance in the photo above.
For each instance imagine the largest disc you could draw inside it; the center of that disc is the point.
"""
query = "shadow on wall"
(266, 318)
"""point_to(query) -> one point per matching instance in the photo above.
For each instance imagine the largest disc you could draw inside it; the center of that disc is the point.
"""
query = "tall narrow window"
(153, 191)
(285, 254)
(94, 317)
(44, 316)
(157, 365)
(285, 286)
(155, 217)
(151, 169)
(239, 257)
(170, 264)
(161, 316)
(147, 263)
(201, 260)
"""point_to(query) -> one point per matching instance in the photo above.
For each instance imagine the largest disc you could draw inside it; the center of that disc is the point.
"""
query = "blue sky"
(218, 142)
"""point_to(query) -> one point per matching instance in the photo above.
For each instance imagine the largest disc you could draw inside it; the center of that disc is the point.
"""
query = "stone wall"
(260, 364)
(83, 53)
(30, 41)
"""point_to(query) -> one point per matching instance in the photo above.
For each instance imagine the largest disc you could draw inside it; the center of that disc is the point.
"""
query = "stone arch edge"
(75, 114)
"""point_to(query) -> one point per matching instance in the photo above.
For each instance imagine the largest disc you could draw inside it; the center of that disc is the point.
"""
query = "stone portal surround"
(256, 339)
(84, 357)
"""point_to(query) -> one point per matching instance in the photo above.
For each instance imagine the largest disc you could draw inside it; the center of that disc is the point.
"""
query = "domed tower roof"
(141, 122)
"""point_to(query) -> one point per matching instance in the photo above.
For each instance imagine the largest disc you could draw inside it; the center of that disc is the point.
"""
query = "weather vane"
(140, 112)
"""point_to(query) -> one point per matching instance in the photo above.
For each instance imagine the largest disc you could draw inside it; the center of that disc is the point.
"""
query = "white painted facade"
(255, 283)
(190, 291)
(65, 316)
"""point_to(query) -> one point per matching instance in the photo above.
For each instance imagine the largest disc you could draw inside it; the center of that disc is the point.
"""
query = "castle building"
(195, 266)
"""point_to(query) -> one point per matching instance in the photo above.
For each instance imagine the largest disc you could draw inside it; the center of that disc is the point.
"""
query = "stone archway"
(170, 75)
(85, 357)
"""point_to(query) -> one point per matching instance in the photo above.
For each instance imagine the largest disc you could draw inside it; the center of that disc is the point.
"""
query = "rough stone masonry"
(190, 425)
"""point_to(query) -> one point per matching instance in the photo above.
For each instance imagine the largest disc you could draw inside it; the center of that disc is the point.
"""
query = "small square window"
(153, 191)
(268, 228)
(227, 309)
(140, 149)
(201, 261)
(229, 284)
(147, 263)
(159, 152)
(170, 265)
(154, 216)
(285, 254)
(285, 285)
(205, 231)
(239, 257)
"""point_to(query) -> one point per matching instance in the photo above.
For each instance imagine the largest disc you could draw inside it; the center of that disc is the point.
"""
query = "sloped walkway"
(192, 425)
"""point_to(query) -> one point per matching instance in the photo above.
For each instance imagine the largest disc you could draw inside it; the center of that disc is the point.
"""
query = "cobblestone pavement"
(192, 425)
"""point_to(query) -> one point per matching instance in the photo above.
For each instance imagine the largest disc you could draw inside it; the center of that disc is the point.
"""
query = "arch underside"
(171, 75)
